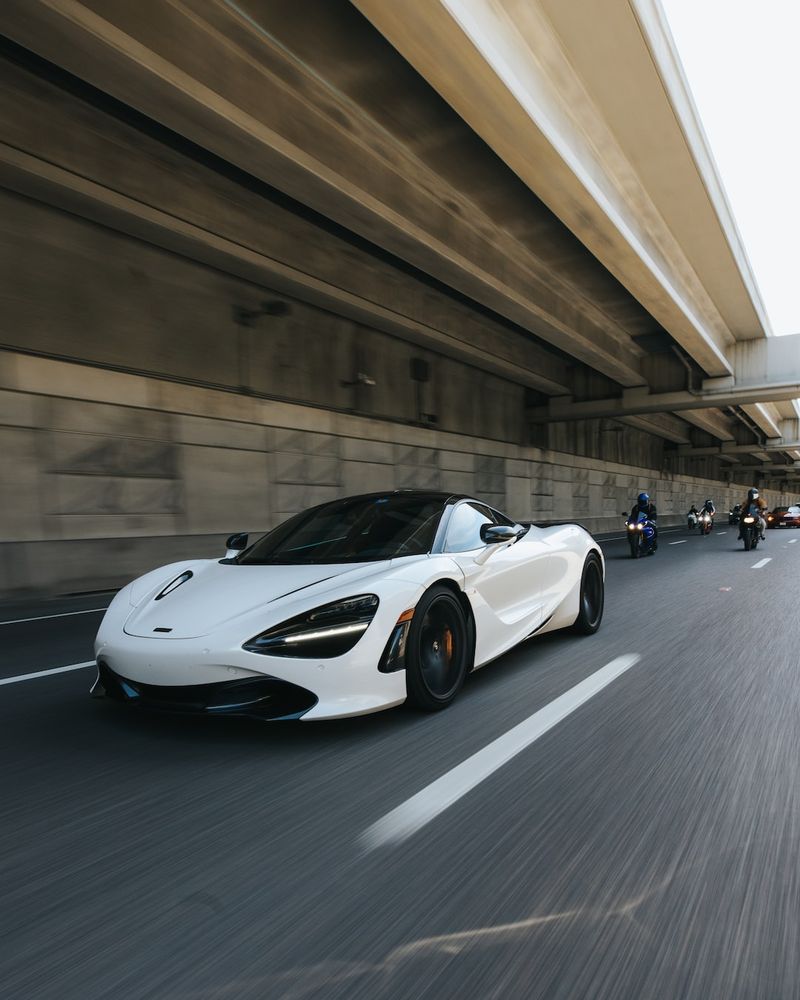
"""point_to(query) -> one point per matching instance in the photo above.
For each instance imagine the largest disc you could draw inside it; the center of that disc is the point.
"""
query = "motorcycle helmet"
(644, 498)
(752, 493)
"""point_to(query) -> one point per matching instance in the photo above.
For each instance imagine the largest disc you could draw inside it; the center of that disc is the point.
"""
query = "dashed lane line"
(792, 541)
(761, 563)
(677, 543)
(47, 673)
(399, 824)
(63, 614)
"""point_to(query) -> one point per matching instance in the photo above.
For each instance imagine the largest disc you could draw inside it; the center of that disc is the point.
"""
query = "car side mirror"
(235, 544)
(494, 534)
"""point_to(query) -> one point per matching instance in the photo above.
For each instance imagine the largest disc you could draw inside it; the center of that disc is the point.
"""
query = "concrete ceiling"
(542, 159)
(588, 104)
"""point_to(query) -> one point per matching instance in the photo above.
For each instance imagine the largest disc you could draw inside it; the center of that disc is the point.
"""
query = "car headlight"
(330, 630)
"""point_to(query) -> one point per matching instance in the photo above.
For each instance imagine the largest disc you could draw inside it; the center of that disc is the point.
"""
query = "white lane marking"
(722, 532)
(677, 543)
(792, 541)
(46, 673)
(63, 614)
(399, 824)
(761, 563)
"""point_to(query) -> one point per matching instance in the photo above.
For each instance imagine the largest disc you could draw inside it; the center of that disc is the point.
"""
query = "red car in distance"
(784, 517)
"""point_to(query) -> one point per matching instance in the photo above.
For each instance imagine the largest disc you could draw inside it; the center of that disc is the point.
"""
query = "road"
(645, 846)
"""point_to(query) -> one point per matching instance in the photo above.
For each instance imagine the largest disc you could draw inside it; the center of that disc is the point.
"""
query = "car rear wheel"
(592, 598)
(438, 650)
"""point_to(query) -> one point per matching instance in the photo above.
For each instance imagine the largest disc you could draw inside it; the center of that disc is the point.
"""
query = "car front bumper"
(265, 698)
(337, 687)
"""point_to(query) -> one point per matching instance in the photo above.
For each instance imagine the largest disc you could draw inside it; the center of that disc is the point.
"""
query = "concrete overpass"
(261, 253)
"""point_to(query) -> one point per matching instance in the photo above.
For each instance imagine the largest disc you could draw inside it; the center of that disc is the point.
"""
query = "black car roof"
(440, 495)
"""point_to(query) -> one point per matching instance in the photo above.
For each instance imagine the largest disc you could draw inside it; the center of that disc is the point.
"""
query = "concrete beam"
(663, 425)
(765, 360)
(770, 468)
(517, 74)
(234, 89)
(770, 445)
(766, 371)
(765, 416)
(634, 401)
(713, 422)
(521, 361)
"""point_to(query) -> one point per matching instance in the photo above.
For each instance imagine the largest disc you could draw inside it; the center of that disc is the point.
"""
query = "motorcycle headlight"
(631, 527)
(330, 630)
(749, 520)
(640, 527)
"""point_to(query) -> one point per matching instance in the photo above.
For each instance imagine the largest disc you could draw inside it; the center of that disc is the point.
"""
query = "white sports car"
(351, 607)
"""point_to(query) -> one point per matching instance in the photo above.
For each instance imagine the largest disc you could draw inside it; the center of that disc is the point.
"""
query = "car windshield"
(361, 529)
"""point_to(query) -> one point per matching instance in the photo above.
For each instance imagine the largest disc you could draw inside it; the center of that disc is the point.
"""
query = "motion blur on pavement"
(257, 256)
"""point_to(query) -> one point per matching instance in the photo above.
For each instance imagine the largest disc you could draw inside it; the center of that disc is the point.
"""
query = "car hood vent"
(218, 593)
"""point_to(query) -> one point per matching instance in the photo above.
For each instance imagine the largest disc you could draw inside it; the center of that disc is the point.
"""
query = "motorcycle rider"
(709, 508)
(644, 505)
(754, 500)
(692, 517)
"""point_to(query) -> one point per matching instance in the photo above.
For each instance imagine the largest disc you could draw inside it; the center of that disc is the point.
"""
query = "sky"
(741, 60)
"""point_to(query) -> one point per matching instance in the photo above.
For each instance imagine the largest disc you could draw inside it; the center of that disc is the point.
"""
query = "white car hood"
(218, 593)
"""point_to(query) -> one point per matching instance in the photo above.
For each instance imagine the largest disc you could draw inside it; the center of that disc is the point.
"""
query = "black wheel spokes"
(439, 652)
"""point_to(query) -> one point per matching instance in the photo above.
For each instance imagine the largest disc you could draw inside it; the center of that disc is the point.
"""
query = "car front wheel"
(438, 650)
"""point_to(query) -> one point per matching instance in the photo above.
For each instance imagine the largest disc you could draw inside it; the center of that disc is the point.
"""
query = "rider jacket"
(759, 502)
(648, 509)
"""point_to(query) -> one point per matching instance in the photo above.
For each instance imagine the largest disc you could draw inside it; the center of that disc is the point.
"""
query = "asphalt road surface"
(647, 845)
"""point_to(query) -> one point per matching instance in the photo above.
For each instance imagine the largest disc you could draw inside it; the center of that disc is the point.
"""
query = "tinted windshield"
(364, 529)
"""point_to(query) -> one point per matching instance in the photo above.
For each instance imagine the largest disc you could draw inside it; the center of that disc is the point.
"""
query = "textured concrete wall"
(107, 474)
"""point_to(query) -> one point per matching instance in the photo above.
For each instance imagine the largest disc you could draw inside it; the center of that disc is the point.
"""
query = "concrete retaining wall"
(107, 474)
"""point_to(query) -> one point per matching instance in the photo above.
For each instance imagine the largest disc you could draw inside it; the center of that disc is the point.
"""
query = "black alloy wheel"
(438, 653)
(592, 596)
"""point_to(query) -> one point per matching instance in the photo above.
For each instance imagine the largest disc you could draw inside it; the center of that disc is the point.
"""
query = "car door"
(502, 581)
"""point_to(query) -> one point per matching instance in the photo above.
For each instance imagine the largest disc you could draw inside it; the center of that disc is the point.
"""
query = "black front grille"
(265, 698)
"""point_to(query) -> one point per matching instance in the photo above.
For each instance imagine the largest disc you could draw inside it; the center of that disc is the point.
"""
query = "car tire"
(592, 597)
(438, 651)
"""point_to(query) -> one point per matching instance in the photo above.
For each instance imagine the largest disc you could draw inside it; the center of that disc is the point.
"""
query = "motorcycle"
(706, 523)
(751, 530)
(641, 536)
(692, 520)
(734, 514)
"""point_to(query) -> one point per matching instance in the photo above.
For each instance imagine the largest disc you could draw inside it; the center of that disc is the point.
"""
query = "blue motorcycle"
(641, 536)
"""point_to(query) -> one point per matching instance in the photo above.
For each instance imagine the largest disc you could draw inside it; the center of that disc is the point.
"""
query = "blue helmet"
(644, 498)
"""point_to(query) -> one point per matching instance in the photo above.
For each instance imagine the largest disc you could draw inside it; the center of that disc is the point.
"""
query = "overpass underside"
(258, 255)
